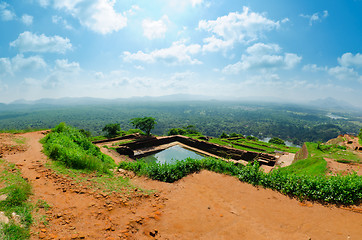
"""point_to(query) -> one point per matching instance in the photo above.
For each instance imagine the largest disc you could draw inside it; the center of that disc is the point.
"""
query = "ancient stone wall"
(215, 149)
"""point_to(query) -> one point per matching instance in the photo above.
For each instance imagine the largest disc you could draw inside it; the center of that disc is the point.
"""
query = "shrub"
(69, 146)
(276, 140)
(112, 129)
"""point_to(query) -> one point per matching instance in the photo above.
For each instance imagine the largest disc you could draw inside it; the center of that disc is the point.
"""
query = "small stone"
(3, 218)
(3, 197)
(42, 235)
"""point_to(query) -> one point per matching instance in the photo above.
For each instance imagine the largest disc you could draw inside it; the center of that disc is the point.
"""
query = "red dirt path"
(204, 205)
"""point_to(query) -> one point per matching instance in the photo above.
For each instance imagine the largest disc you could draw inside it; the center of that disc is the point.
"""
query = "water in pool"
(172, 154)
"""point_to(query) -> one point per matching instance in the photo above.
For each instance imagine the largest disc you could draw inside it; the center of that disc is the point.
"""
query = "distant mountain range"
(333, 104)
(325, 103)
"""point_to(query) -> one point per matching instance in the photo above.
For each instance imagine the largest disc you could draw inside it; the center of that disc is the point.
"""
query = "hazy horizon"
(295, 51)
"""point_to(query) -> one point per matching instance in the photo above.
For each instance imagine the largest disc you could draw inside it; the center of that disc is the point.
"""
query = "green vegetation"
(360, 136)
(314, 166)
(69, 146)
(293, 123)
(190, 131)
(146, 124)
(276, 140)
(112, 129)
(336, 152)
(17, 191)
(253, 145)
(335, 189)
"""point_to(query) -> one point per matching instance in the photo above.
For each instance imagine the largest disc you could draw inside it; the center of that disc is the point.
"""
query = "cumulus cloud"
(6, 13)
(155, 29)
(348, 59)
(59, 20)
(64, 66)
(177, 53)
(43, 3)
(5, 66)
(344, 73)
(313, 68)
(236, 27)
(27, 19)
(316, 17)
(263, 56)
(32, 63)
(30, 42)
(97, 15)
(181, 5)
(195, 2)
(19, 63)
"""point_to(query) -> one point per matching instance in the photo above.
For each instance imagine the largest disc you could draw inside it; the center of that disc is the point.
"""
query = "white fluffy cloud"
(64, 66)
(43, 3)
(315, 17)
(178, 53)
(263, 56)
(5, 66)
(32, 63)
(236, 27)
(19, 63)
(348, 59)
(155, 29)
(6, 13)
(30, 42)
(59, 20)
(97, 15)
(314, 68)
(27, 19)
(344, 73)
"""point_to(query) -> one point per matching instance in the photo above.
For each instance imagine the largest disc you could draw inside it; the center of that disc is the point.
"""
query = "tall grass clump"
(17, 192)
(69, 146)
(334, 189)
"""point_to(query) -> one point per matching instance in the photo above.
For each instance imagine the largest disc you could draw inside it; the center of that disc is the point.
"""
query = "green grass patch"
(335, 189)
(17, 191)
(333, 151)
(254, 146)
(70, 147)
(314, 166)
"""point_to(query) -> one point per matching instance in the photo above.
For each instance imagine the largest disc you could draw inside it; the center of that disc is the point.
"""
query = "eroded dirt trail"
(78, 212)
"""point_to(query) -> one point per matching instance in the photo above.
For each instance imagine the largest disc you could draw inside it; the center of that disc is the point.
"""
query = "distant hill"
(333, 104)
(90, 101)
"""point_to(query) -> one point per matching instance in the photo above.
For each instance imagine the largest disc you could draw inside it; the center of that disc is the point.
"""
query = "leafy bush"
(224, 135)
(69, 146)
(112, 129)
(252, 138)
(335, 189)
(276, 140)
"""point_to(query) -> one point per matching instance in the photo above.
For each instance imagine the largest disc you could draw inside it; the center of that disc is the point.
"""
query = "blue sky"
(291, 50)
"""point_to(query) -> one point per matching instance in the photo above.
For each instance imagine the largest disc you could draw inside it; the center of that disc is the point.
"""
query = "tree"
(176, 131)
(224, 135)
(86, 133)
(276, 140)
(112, 129)
(146, 124)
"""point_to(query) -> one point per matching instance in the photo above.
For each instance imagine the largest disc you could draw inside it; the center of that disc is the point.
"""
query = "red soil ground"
(204, 205)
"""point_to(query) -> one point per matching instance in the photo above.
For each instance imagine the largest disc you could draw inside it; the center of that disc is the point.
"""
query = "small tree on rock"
(146, 124)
